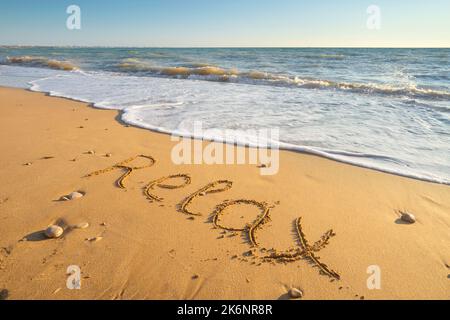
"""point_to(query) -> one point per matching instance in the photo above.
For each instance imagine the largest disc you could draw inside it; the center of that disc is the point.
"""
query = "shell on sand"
(408, 217)
(82, 225)
(295, 293)
(72, 196)
(54, 231)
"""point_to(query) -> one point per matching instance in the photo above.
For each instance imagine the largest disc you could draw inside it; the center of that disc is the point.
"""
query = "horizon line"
(225, 47)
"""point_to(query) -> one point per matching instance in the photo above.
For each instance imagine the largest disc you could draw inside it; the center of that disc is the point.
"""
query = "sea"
(384, 109)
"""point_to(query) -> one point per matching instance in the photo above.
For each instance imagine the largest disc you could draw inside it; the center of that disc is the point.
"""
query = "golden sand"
(156, 230)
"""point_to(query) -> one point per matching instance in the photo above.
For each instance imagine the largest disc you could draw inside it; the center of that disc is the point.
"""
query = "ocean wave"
(215, 73)
(31, 61)
(208, 72)
(148, 102)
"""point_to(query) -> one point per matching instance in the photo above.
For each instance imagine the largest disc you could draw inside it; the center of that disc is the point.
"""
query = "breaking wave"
(215, 73)
(207, 72)
(42, 62)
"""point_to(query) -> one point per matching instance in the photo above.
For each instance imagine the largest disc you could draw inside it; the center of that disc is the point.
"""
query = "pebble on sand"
(82, 225)
(408, 217)
(295, 293)
(72, 196)
(108, 155)
(54, 231)
(94, 239)
(91, 152)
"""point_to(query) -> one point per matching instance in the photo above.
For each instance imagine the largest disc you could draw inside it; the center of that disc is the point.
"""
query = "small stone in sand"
(28, 164)
(108, 155)
(195, 276)
(82, 225)
(94, 239)
(248, 253)
(408, 217)
(295, 293)
(72, 196)
(91, 152)
(202, 194)
(103, 224)
(54, 231)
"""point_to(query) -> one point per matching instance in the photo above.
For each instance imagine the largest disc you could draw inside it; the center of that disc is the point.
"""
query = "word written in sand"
(159, 183)
(304, 250)
(123, 166)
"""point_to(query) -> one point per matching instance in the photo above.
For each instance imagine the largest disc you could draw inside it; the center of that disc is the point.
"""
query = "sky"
(227, 23)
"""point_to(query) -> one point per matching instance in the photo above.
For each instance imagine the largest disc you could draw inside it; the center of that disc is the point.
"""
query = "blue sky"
(200, 23)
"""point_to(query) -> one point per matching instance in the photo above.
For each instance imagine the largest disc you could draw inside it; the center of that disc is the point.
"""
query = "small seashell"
(82, 225)
(75, 195)
(295, 293)
(408, 217)
(54, 231)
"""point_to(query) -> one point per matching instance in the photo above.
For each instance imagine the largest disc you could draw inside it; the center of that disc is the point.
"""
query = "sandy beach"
(134, 248)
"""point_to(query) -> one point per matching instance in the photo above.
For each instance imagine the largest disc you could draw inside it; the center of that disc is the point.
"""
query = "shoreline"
(286, 147)
(154, 251)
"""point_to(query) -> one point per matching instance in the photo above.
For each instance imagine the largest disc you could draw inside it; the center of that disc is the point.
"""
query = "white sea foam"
(376, 132)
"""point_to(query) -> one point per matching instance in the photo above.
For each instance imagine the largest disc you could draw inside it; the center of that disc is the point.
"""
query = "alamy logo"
(193, 151)
(74, 277)
(374, 19)
(73, 21)
(374, 280)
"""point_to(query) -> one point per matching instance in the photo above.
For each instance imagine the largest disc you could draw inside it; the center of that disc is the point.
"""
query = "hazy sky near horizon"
(210, 23)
